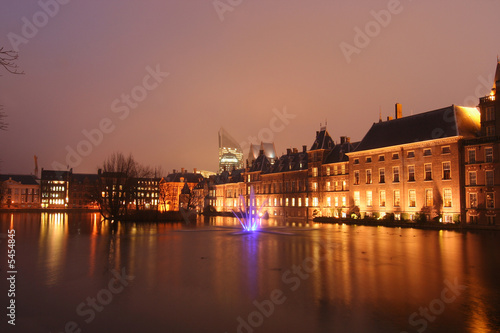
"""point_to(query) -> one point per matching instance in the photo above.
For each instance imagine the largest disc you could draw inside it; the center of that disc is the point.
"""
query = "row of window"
(428, 200)
(488, 155)
(331, 171)
(489, 178)
(409, 154)
(490, 200)
(446, 173)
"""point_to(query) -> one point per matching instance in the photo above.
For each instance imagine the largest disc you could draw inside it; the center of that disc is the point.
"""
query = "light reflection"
(52, 245)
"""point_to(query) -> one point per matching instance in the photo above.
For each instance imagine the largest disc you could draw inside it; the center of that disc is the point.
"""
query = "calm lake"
(76, 274)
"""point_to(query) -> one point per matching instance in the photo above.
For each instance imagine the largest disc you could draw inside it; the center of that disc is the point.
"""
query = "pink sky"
(230, 68)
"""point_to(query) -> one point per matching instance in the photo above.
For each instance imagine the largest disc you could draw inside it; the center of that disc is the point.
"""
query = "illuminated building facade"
(230, 152)
(411, 166)
(482, 164)
(55, 188)
(170, 188)
(19, 192)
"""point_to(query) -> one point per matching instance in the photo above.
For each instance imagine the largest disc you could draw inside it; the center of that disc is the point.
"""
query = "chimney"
(304, 148)
(261, 152)
(343, 139)
(182, 170)
(399, 111)
(175, 171)
(295, 150)
(288, 151)
(194, 170)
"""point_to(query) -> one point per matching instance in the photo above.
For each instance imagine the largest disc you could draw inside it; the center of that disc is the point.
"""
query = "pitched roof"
(338, 153)
(55, 175)
(290, 162)
(188, 177)
(81, 177)
(22, 179)
(442, 123)
(323, 140)
(262, 163)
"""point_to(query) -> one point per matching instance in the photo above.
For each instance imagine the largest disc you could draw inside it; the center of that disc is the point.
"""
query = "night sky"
(158, 78)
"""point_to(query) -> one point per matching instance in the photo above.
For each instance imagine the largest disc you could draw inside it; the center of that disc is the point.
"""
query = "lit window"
(411, 173)
(336, 201)
(315, 201)
(412, 198)
(356, 177)
(397, 198)
(446, 170)
(327, 171)
(429, 200)
(300, 202)
(472, 200)
(490, 200)
(344, 202)
(428, 171)
(315, 172)
(369, 176)
(382, 198)
(369, 199)
(293, 202)
(329, 201)
(395, 173)
(472, 178)
(447, 197)
(356, 198)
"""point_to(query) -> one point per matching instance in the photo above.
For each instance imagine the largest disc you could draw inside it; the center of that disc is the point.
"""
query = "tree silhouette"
(8, 61)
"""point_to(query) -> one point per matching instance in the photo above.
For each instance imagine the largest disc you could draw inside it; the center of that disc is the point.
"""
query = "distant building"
(55, 188)
(146, 193)
(266, 147)
(19, 192)
(83, 191)
(170, 188)
(230, 152)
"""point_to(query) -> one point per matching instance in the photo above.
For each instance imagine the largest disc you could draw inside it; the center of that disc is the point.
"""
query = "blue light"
(250, 218)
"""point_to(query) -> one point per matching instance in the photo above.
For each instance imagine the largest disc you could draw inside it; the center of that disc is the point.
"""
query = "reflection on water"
(333, 278)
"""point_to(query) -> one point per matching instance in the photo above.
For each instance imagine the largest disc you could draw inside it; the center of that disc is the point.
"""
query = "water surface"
(204, 278)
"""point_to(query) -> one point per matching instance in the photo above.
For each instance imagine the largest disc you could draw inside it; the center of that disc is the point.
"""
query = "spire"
(497, 76)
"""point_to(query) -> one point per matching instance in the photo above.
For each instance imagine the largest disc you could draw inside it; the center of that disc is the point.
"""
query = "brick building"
(481, 163)
(411, 166)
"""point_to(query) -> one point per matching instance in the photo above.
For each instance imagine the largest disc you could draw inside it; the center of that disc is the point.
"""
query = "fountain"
(249, 217)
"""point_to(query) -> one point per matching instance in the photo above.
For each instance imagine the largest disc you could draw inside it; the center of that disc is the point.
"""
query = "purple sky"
(230, 69)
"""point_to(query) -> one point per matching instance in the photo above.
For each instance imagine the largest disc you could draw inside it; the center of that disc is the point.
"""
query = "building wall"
(18, 196)
(417, 194)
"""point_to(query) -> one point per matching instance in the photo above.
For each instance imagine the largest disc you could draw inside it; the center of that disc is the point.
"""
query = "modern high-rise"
(230, 152)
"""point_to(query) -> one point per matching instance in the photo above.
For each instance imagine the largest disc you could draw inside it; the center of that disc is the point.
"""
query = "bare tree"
(116, 184)
(8, 61)
(3, 123)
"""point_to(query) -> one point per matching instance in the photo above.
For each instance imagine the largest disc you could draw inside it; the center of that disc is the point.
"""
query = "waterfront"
(203, 278)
